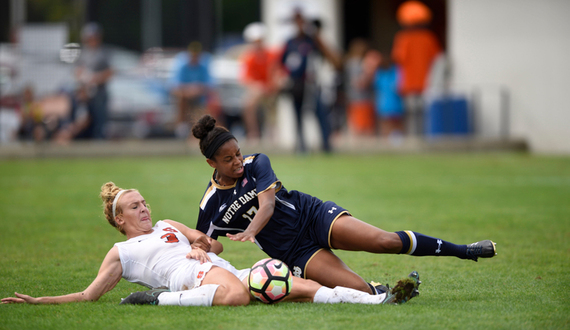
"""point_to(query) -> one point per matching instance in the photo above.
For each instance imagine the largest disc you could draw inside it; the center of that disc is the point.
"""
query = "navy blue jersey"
(296, 54)
(230, 209)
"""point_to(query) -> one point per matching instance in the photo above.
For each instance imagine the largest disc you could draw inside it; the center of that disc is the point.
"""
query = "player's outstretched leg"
(351, 234)
(401, 293)
(200, 296)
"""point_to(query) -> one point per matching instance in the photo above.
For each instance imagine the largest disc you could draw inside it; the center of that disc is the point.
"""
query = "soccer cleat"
(149, 297)
(380, 288)
(482, 249)
(416, 277)
(404, 290)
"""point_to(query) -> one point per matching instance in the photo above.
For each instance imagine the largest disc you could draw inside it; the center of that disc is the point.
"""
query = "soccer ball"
(270, 280)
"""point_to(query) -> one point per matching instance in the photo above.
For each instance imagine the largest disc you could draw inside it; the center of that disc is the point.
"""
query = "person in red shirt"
(259, 76)
(415, 49)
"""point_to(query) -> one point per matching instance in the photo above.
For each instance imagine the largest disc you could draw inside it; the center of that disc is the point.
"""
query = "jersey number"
(170, 237)
(250, 214)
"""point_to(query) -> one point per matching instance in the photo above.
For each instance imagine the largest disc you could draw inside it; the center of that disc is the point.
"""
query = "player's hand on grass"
(199, 255)
(242, 237)
(202, 242)
(20, 299)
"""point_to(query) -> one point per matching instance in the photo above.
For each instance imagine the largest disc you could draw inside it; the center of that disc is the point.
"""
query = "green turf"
(53, 238)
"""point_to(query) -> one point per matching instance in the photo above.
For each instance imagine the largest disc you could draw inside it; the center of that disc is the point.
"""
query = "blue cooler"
(447, 116)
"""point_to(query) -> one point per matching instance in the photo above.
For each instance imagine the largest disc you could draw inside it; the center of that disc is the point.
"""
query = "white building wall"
(523, 45)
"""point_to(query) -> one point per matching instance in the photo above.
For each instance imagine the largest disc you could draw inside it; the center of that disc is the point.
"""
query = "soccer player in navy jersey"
(245, 201)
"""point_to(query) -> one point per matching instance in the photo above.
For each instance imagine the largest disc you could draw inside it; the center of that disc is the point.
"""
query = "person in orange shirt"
(415, 49)
(359, 69)
(259, 76)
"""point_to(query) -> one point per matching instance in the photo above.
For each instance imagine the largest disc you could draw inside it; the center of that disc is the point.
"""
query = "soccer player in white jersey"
(162, 257)
(245, 201)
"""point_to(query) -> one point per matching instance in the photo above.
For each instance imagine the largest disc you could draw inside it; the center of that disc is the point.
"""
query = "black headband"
(217, 143)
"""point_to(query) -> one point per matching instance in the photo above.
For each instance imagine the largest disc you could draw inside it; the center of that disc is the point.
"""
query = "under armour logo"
(222, 207)
(439, 243)
(297, 271)
(332, 210)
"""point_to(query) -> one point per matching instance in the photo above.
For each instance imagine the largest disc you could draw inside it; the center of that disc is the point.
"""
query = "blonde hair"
(108, 192)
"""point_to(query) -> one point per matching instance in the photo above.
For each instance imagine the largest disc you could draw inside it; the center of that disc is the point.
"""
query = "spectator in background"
(191, 86)
(415, 49)
(77, 124)
(389, 105)
(93, 71)
(10, 93)
(359, 89)
(31, 127)
(324, 85)
(295, 61)
(261, 81)
(10, 119)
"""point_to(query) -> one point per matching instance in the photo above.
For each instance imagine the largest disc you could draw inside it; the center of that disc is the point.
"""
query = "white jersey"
(159, 259)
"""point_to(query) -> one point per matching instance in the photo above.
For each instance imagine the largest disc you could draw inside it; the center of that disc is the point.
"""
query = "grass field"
(53, 238)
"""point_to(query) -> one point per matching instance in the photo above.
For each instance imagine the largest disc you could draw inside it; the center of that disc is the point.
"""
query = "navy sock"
(417, 244)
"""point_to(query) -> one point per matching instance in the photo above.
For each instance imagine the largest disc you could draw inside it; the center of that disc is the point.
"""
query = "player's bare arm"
(266, 208)
(107, 278)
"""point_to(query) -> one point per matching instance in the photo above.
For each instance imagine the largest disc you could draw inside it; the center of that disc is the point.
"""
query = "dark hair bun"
(203, 126)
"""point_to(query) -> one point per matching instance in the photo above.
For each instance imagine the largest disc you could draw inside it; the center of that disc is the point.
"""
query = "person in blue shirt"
(245, 201)
(190, 85)
(383, 76)
(389, 104)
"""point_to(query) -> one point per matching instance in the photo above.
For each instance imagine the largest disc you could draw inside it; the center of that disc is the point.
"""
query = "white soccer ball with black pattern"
(270, 280)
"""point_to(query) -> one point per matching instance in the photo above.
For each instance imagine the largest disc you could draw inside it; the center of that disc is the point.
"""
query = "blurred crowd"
(363, 92)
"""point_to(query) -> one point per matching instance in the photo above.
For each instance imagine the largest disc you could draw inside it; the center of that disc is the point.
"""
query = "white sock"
(200, 296)
(346, 295)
